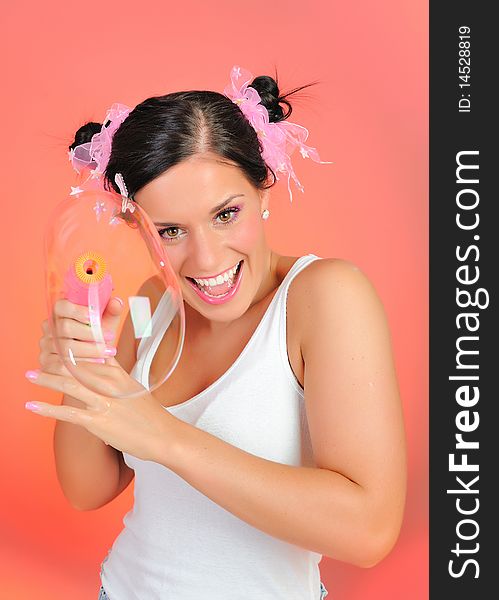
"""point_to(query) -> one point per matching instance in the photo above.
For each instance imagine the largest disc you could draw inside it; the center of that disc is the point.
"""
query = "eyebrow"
(214, 210)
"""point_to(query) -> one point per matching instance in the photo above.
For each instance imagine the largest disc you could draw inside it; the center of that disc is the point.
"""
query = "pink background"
(67, 63)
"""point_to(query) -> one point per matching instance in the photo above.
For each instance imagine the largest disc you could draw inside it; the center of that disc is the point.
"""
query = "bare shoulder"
(334, 289)
(330, 273)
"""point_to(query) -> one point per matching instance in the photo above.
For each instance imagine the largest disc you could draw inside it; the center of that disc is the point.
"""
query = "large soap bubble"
(97, 245)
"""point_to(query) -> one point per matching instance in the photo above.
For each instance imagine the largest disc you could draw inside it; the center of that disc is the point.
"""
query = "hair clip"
(126, 203)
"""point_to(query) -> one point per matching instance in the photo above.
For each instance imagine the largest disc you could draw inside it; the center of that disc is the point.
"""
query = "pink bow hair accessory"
(278, 140)
(96, 153)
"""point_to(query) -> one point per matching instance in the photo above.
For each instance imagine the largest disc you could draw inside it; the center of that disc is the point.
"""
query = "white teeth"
(227, 276)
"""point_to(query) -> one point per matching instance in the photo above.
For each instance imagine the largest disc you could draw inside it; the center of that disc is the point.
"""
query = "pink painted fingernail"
(110, 351)
(32, 375)
(31, 406)
(108, 336)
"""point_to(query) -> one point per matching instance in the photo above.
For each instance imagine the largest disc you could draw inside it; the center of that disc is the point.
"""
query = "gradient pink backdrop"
(67, 63)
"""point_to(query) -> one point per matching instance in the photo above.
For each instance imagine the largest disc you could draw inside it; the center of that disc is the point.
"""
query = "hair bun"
(85, 134)
(269, 93)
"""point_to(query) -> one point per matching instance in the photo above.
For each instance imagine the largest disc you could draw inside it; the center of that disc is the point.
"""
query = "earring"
(265, 214)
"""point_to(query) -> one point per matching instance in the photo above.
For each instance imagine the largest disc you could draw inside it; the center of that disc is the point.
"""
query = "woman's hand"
(134, 425)
(71, 327)
(137, 425)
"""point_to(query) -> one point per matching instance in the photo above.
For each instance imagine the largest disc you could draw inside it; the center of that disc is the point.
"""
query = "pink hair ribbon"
(278, 140)
(97, 152)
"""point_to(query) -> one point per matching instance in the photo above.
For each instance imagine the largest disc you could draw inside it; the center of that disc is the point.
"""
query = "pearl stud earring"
(265, 214)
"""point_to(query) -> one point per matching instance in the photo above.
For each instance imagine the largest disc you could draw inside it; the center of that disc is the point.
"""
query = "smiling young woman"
(287, 441)
(218, 249)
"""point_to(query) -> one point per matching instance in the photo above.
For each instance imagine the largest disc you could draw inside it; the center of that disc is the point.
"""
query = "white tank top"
(176, 543)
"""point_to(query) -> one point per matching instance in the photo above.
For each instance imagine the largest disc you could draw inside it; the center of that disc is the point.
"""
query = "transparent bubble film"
(99, 246)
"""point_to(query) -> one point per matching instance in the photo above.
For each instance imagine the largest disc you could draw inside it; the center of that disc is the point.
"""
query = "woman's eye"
(169, 233)
(228, 215)
(172, 231)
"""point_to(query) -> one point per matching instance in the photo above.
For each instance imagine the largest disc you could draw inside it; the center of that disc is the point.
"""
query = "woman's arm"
(91, 473)
(350, 507)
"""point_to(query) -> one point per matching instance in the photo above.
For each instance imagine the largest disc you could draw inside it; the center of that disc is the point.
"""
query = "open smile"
(218, 288)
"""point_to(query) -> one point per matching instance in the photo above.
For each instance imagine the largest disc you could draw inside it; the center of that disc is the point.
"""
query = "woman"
(279, 436)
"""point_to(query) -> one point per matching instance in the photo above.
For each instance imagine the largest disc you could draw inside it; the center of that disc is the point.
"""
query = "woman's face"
(209, 217)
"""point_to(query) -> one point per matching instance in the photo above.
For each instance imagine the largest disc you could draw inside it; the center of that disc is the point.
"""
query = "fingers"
(78, 346)
(75, 338)
(71, 329)
(67, 385)
(70, 321)
(76, 351)
(112, 314)
(73, 323)
(79, 349)
(63, 308)
(52, 363)
(71, 387)
(78, 416)
(75, 342)
(97, 381)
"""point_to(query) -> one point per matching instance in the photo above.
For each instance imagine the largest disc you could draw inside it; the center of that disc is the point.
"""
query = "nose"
(206, 253)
